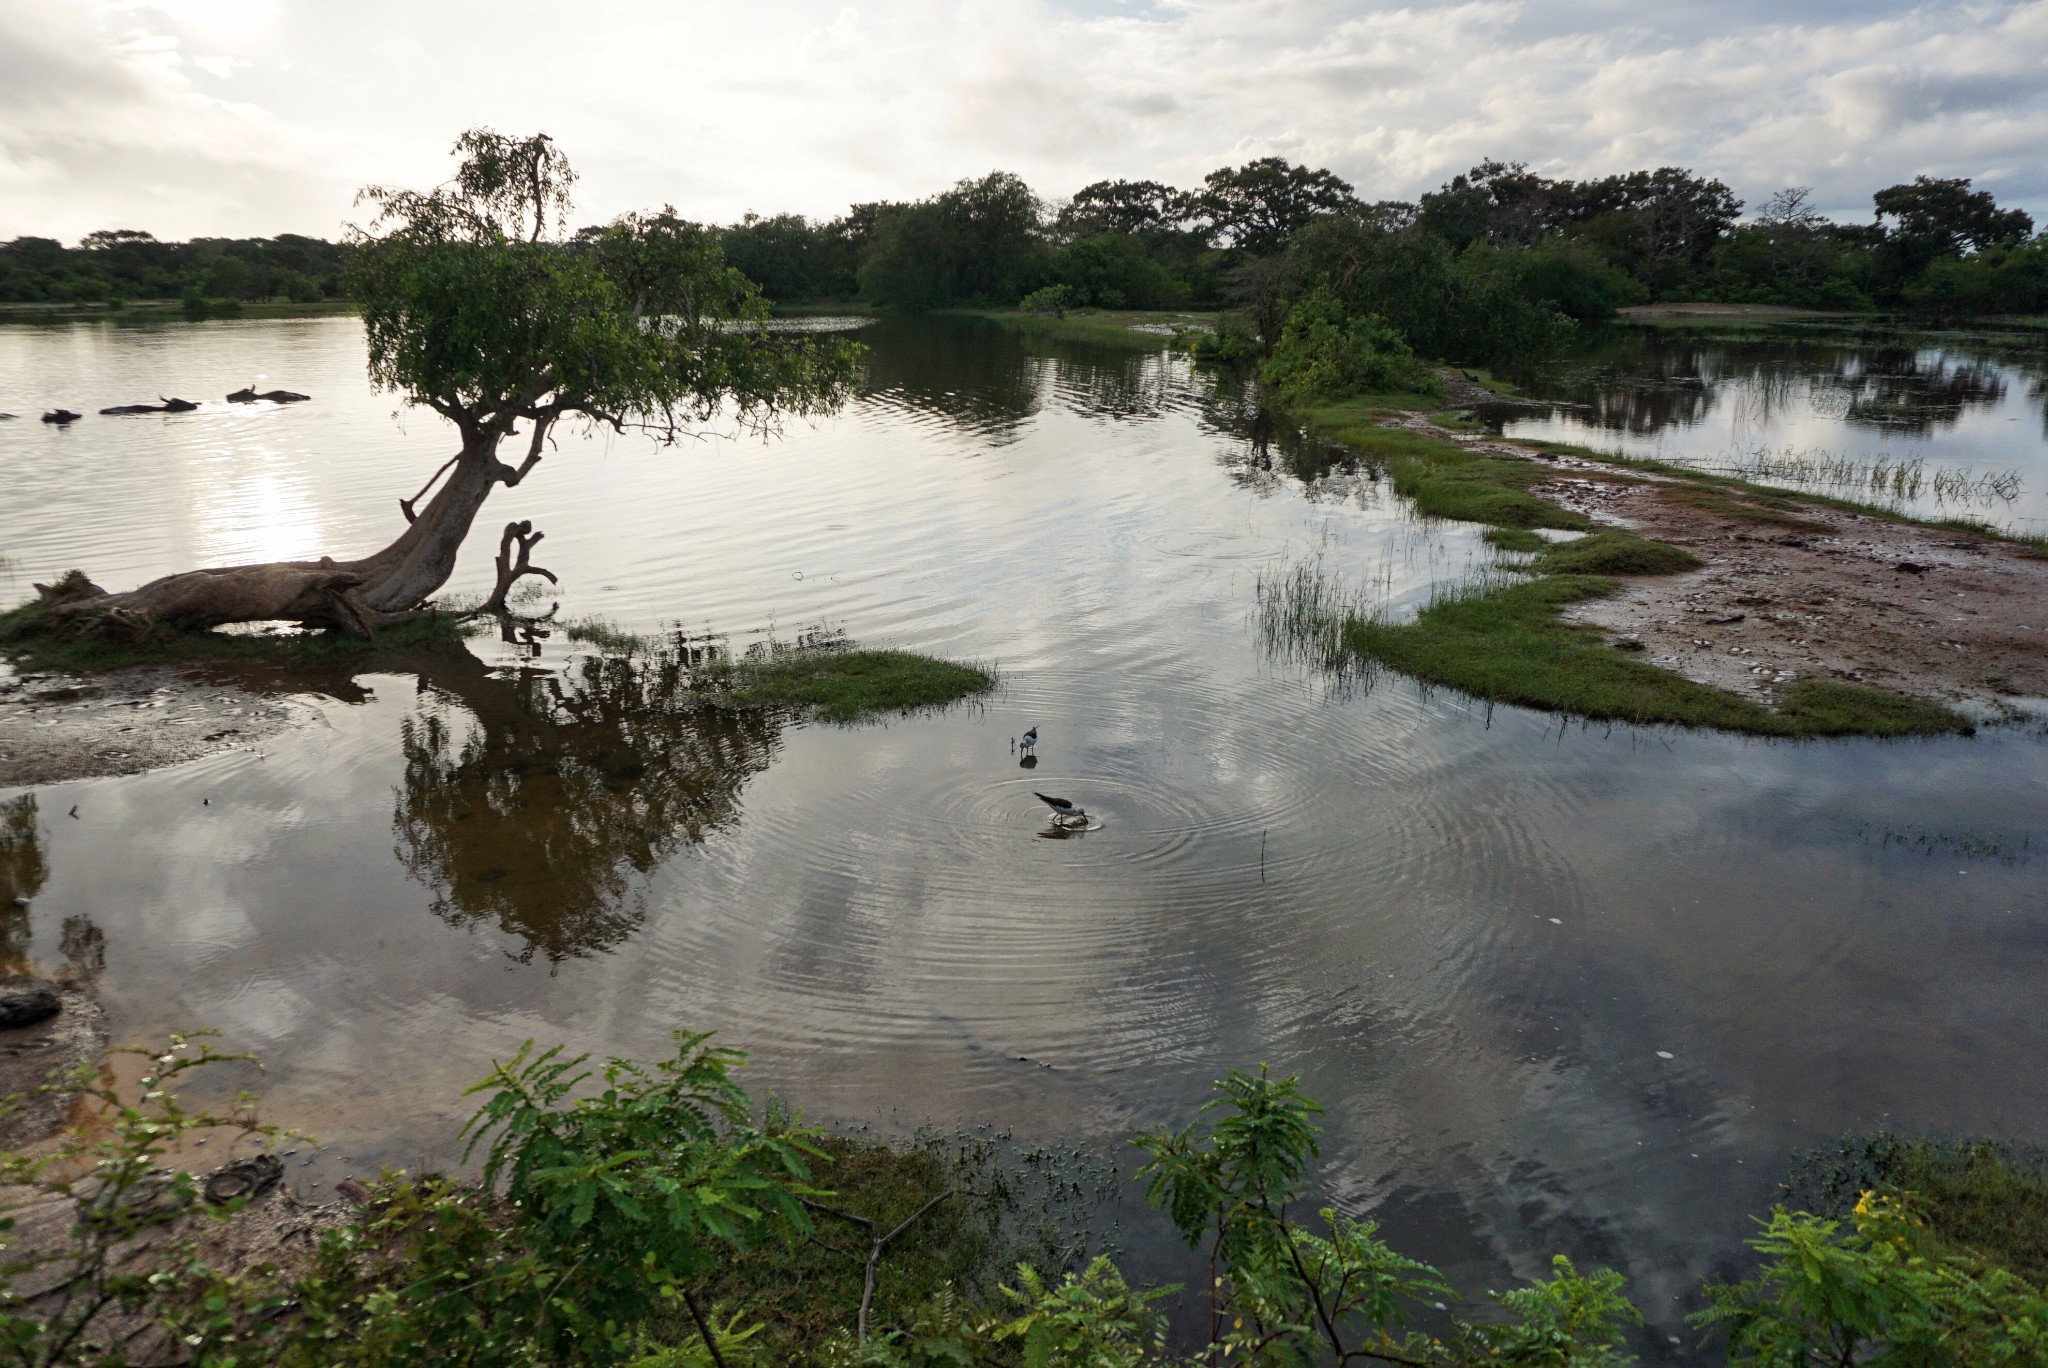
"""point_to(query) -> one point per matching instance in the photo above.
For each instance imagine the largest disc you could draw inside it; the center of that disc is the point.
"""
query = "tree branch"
(541, 424)
(405, 506)
(704, 1329)
(877, 1242)
(511, 570)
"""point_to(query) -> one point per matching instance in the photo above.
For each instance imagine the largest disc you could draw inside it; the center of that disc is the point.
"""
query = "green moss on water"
(1511, 644)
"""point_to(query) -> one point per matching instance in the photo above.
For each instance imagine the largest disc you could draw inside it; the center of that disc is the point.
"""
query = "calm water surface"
(1561, 988)
(1819, 407)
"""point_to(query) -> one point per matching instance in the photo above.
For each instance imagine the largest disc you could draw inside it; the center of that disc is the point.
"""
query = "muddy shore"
(60, 727)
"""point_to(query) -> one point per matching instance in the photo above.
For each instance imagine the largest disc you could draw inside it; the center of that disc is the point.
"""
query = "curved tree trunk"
(357, 595)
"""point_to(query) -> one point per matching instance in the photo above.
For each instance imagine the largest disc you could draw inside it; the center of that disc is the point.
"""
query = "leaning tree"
(479, 304)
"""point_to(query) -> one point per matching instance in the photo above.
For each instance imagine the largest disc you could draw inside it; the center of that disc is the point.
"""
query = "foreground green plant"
(1281, 1294)
(637, 1217)
(1873, 1291)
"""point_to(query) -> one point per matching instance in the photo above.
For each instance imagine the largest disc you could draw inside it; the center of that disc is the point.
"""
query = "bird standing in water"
(1030, 741)
(1064, 812)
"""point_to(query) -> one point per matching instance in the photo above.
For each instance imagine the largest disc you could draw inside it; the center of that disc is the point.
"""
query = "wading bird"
(1030, 741)
(1064, 813)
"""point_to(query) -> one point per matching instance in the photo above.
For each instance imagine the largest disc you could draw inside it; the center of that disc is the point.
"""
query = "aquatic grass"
(846, 685)
(1884, 476)
(1745, 501)
(1517, 539)
(1301, 611)
(1504, 638)
(1443, 479)
(605, 635)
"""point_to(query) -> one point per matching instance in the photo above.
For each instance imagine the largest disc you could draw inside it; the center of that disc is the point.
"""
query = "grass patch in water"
(1611, 551)
(605, 634)
(1116, 327)
(850, 685)
(29, 642)
(1510, 643)
(1443, 479)
(828, 676)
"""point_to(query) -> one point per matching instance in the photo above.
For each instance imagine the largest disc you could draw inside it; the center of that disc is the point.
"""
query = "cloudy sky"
(190, 117)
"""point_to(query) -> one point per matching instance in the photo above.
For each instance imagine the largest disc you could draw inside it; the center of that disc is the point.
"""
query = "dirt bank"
(55, 728)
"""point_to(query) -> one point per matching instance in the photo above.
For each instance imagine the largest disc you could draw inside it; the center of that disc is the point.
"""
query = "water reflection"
(537, 800)
(970, 374)
(1645, 381)
(988, 381)
(23, 868)
(1833, 393)
(1268, 455)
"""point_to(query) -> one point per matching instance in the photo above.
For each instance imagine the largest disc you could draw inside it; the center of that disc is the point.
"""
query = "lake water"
(1561, 989)
(1941, 425)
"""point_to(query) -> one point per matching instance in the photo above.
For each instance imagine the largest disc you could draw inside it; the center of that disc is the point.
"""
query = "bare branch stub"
(511, 569)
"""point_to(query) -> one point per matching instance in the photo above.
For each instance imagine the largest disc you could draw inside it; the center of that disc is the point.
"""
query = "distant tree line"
(125, 264)
(1583, 248)
(1483, 265)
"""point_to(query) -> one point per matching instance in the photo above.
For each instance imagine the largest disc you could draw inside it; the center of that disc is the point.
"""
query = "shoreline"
(1698, 600)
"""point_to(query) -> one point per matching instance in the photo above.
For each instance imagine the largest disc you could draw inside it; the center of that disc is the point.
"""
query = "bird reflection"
(538, 801)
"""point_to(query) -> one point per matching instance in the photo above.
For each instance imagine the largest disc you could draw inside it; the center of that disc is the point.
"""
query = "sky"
(253, 117)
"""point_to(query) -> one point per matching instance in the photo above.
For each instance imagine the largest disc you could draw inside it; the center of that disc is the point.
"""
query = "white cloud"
(112, 112)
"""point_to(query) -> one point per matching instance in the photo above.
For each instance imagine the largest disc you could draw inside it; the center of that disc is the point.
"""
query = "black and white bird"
(1030, 742)
(1064, 812)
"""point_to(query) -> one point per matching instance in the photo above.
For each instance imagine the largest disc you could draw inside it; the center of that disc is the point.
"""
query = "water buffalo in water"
(62, 416)
(248, 395)
(164, 406)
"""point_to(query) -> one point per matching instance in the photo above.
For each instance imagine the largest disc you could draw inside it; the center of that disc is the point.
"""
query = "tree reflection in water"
(1641, 382)
(1269, 454)
(23, 871)
(539, 800)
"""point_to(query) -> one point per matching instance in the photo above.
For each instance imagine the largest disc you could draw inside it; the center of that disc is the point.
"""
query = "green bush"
(1113, 271)
(1230, 344)
(1325, 353)
(1049, 299)
(1575, 280)
(1873, 1291)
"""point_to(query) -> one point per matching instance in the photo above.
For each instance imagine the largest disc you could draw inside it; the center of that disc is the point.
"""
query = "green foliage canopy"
(474, 306)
